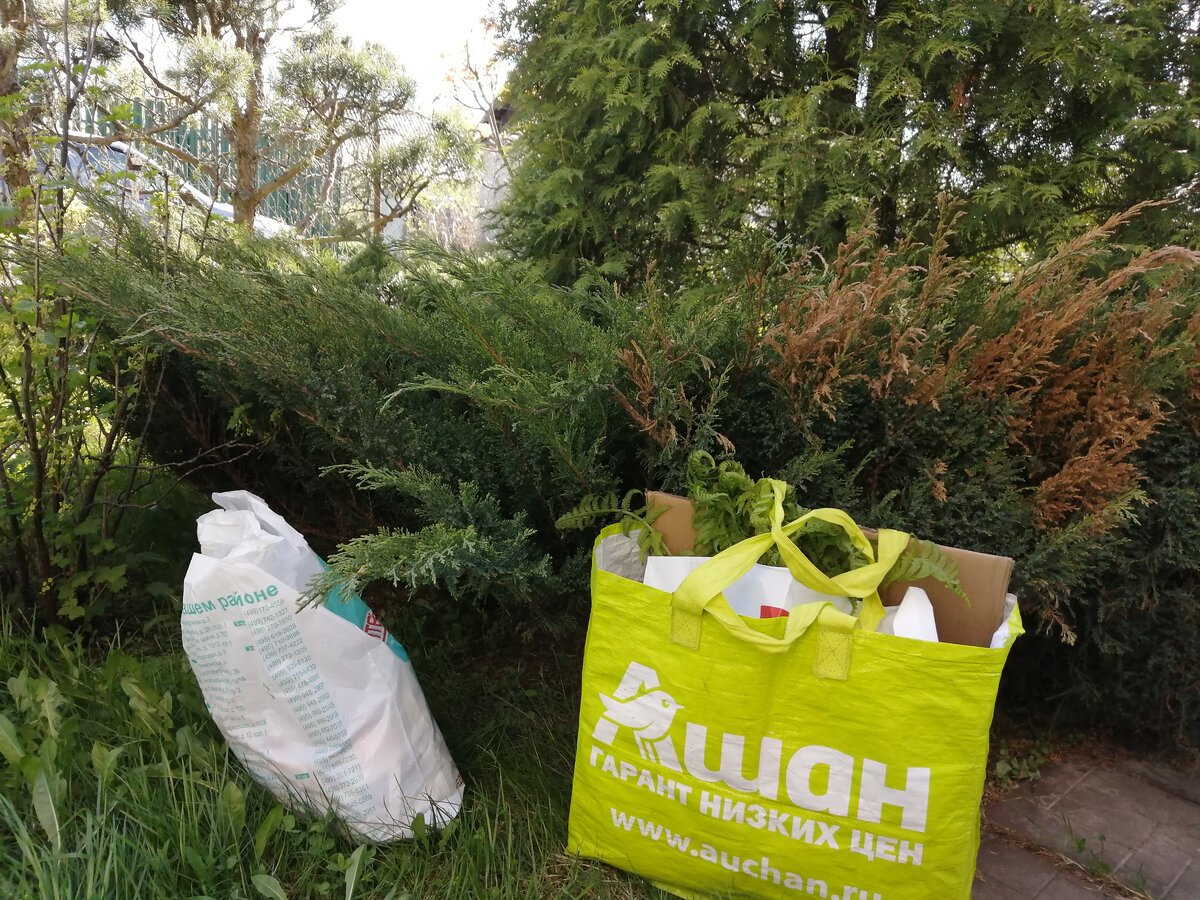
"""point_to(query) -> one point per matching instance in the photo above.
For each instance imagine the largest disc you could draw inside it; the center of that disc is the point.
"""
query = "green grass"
(114, 783)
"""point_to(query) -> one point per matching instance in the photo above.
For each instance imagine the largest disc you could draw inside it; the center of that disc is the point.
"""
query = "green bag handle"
(701, 591)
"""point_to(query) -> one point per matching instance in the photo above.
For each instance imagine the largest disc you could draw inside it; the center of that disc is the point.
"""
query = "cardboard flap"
(984, 578)
(675, 525)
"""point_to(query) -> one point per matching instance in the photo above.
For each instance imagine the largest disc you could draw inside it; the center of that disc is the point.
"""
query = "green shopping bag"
(805, 756)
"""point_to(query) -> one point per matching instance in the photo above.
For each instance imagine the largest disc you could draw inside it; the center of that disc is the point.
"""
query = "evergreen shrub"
(463, 406)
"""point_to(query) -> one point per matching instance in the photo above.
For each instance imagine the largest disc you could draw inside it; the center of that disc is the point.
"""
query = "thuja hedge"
(434, 418)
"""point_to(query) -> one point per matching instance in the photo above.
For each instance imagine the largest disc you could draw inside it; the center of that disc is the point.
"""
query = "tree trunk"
(15, 150)
(376, 188)
(246, 126)
(843, 54)
(843, 46)
(884, 117)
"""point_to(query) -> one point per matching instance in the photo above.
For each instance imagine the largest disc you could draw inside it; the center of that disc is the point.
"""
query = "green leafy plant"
(128, 789)
(1019, 761)
(1090, 856)
(925, 559)
(70, 440)
(636, 520)
(730, 506)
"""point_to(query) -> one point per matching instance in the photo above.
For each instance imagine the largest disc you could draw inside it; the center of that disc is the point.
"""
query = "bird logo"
(649, 715)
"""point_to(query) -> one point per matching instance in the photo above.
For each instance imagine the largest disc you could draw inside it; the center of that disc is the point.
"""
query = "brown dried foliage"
(642, 406)
(1067, 359)
(827, 328)
(1193, 394)
(1074, 371)
(664, 401)
(876, 321)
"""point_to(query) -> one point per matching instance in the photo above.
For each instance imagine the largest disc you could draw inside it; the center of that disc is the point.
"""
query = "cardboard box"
(984, 578)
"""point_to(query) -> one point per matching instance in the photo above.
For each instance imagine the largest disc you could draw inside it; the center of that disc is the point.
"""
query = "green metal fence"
(206, 140)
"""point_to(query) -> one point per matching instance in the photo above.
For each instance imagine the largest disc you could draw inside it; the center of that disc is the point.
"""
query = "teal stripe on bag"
(354, 610)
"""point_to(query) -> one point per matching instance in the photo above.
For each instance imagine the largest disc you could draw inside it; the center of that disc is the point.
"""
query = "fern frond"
(591, 509)
(700, 466)
(733, 480)
(759, 502)
(758, 505)
(632, 518)
(925, 559)
(650, 541)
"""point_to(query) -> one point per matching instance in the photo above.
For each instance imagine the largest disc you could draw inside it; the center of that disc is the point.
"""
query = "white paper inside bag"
(912, 618)
(762, 593)
(1000, 638)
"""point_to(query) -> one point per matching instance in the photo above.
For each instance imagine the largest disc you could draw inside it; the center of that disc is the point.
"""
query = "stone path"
(1122, 828)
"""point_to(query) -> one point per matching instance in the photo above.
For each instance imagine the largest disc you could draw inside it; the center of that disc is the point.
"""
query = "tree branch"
(140, 59)
(296, 168)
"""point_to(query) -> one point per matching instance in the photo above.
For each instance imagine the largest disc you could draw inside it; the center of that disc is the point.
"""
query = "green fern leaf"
(650, 542)
(590, 509)
(633, 518)
(925, 559)
(595, 508)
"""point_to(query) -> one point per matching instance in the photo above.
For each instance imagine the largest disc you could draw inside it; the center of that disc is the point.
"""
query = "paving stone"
(1012, 867)
(1188, 885)
(1094, 816)
(1025, 810)
(1025, 816)
(1137, 818)
(1066, 887)
(1106, 818)
(1058, 779)
(984, 889)
(1185, 785)
(1075, 833)
(1159, 798)
(1161, 859)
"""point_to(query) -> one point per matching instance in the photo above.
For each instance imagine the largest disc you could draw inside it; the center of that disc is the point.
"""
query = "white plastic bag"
(320, 704)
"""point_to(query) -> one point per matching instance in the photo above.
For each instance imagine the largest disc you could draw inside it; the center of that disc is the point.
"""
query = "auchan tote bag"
(799, 756)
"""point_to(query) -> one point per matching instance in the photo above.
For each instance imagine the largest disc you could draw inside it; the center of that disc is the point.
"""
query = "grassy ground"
(114, 784)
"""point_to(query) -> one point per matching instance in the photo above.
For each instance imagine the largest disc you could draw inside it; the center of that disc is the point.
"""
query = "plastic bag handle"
(701, 591)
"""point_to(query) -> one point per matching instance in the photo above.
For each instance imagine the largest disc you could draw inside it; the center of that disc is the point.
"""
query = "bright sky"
(427, 36)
